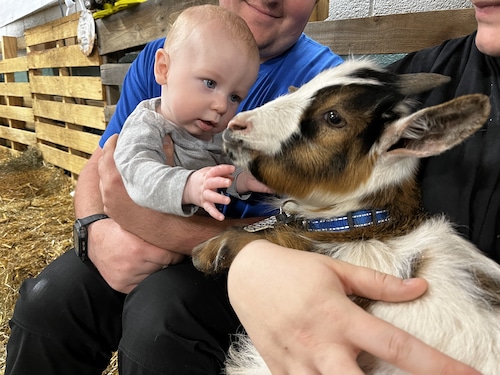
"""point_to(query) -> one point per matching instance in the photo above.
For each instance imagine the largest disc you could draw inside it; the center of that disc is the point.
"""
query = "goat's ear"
(416, 83)
(433, 130)
(292, 89)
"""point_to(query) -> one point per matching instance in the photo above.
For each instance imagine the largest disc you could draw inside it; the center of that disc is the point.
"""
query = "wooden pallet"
(68, 96)
(392, 34)
(17, 128)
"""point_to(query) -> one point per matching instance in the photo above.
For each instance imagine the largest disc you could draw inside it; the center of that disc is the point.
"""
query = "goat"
(343, 151)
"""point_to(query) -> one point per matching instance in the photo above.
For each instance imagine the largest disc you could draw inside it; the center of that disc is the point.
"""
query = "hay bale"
(36, 221)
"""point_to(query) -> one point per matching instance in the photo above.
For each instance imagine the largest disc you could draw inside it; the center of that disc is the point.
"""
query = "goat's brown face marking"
(337, 131)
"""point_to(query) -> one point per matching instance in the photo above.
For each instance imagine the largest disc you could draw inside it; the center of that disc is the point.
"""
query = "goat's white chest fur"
(454, 315)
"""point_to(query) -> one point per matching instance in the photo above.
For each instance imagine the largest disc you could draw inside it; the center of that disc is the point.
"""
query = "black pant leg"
(177, 321)
(67, 320)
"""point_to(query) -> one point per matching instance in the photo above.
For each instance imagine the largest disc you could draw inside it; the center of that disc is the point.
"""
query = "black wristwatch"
(80, 234)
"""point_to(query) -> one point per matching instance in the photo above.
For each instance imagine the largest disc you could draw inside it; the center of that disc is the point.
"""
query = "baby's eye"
(209, 83)
(235, 98)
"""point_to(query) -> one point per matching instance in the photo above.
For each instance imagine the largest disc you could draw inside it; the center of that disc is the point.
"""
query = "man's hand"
(123, 259)
(296, 311)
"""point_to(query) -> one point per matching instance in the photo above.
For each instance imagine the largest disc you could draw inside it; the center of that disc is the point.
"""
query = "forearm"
(170, 232)
(181, 234)
(87, 199)
(122, 258)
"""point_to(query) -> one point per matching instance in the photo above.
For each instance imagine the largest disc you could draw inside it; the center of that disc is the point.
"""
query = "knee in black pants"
(177, 321)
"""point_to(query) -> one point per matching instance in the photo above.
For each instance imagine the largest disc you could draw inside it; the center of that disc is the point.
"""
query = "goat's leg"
(217, 254)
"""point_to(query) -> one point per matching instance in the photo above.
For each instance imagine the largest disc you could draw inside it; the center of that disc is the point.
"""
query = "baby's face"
(207, 80)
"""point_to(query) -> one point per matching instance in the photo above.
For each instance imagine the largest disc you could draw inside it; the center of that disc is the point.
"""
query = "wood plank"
(320, 11)
(18, 135)
(85, 115)
(16, 113)
(76, 87)
(78, 140)
(11, 151)
(69, 56)
(61, 28)
(9, 47)
(113, 74)
(15, 89)
(64, 160)
(398, 33)
(140, 24)
(21, 44)
(16, 64)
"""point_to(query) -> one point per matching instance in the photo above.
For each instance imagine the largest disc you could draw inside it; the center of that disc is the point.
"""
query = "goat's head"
(348, 132)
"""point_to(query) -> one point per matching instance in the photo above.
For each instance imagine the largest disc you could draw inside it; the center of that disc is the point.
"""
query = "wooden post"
(321, 11)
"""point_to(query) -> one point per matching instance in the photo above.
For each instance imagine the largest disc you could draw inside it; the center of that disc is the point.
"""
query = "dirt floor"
(36, 220)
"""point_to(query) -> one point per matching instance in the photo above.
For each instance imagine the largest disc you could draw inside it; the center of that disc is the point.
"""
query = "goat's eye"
(333, 119)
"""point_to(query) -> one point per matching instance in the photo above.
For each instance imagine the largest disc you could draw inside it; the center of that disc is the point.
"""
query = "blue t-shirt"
(298, 65)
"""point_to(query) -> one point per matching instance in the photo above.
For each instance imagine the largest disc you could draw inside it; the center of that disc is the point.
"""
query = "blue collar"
(355, 219)
(352, 220)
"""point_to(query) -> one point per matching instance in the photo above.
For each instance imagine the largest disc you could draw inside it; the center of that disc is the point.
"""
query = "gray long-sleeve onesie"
(141, 161)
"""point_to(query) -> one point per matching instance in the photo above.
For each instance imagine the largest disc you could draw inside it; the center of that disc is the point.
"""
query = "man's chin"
(487, 40)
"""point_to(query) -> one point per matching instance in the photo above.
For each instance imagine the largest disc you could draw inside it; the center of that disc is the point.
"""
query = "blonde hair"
(194, 17)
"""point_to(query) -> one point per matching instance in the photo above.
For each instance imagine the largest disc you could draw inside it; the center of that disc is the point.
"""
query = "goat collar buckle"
(270, 222)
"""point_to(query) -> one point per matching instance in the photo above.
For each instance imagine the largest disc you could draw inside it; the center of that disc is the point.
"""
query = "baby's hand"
(246, 182)
(202, 185)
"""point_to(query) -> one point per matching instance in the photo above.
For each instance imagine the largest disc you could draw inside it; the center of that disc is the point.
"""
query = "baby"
(207, 66)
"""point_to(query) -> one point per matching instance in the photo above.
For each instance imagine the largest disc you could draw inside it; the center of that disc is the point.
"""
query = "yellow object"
(117, 6)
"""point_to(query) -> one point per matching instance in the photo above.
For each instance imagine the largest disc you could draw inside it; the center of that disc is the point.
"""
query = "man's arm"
(134, 242)
(178, 234)
(122, 258)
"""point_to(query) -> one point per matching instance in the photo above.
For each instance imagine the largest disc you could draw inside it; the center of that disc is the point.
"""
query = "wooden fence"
(17, 124)
(67, 91)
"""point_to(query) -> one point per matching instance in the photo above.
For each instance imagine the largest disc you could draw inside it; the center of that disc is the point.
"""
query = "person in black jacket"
(464, 182)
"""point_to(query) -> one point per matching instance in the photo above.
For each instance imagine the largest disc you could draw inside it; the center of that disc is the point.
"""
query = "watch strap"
(92, 218)
(80, 234)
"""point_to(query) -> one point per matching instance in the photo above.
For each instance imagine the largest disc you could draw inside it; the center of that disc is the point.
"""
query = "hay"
(36, 220)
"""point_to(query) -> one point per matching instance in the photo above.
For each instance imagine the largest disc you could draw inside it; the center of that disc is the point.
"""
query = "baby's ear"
(162, 63)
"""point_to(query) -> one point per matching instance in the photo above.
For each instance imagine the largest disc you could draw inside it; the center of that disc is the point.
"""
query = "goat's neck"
(402, 200)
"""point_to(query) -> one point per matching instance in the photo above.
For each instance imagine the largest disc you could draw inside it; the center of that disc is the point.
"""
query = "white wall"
(13, 10)
(39, 12)
(341, 9)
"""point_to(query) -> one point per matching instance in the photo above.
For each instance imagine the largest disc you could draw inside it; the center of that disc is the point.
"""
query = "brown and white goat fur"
(348, 141)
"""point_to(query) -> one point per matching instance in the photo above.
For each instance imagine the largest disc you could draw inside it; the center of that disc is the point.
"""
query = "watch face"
(80, 239)
(75, 238)
(80, 234)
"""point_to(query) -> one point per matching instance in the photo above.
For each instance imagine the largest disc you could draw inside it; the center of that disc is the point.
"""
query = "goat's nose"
(239, 123)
